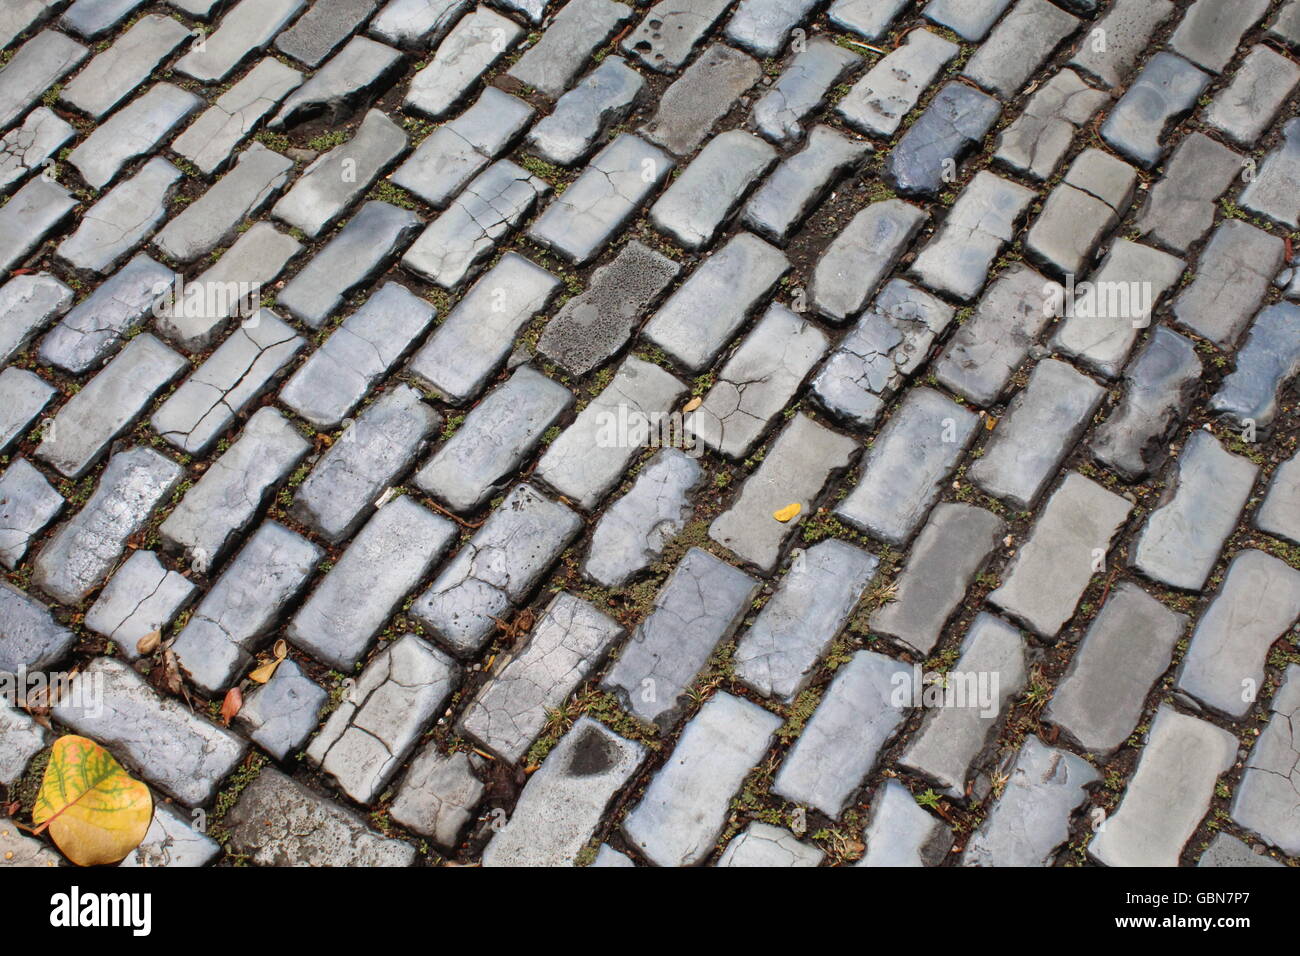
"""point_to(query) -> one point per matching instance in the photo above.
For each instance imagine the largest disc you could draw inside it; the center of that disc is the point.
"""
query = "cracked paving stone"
(633, 531)
(799, 183)
(568, 642)
(478, 334)
(171, 841)
(1266, 363)
(281, 714)
(29, 303)
(969, 19)
(490, 446)
(21, 739)
(697, 204)
(1126, 31)
(83, 550)
(23, 395)
(763, 845)
(278, 822)
(1104, 315)
(335, 91)
(341, 491)
(595, 324)
(211, 139)
(1158, 390)
(1072, 535)
(331, 184)
(141, 597)
(1031, 818)
(866, 18)
(120, 223)
(578, 224)
(353, 600)
(35, 67)
(802, 461)
(1168, 795)
(585, 114)
(438, 796)
(250, 26)
(800, 90)
(684, 809)
(242, 368)
(901, 833)
(1180, 543)
(495, 569)
(1285, 27)
(757, 382)
(108, 404)
(363, 349)
(1257, 603)
(229, 495)
(778, 654)
(103, 319)
(1227, 850)
(134, 131)
(20, 16)
(980, 224)
(1165, 91)
(211, 220)
(859, 258)
(28, 217)
(881, 352)
(1273, 193)
(1180, 207)
(28, 147)
(954, 734)
(197, 314)
(1040, 427)
(27, 504)
(1245, 108)
(698, 608)
(572, 36)
(243, 607)
(116, 73)
(417, 24)
(954, 546)
(179, 752)
(1080, 212)
(1039, 138)
(1209, 32)
(361, 249)
(858, 715)
(763, 26)
(461, 148)
(30, 638)
(453, 246)
(706, 310)
(564, 800)
(369, 736)
(1021, 43)
(1267, 801)
(323, 28)
(1100, 699)
(1233, 275)
(472, 47)
(701, 96)
(878, 102)
(670, 30)
(91, 19)
(906, 468)
(956, 120)
(1280, 513)
(588, 458)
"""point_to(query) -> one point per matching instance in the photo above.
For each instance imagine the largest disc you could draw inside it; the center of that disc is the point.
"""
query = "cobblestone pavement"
(738, 432)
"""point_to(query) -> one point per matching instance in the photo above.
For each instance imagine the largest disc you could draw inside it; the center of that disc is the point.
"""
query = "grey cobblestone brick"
(1127, 28)
(323, 28)
(27, 504)
(1235, 271)
(790, 191)
(474, 44)
(901, 833)
(21, 739)
(1267, 800)
(1269, 359)
(34, 68)
(867, 18)
(701, 96)
(26, 148)
(1273, 192)
(115, 74)
(91, 19)
(28, 217)
(417, 24)
(890, 90)
(250, 25)
(29, 636)
(583, 115)
(341, 84)
(1166, 89)
(763, 845)
(29, 304)
(1280, 512)
(141, 597)
(438, 796)
(171, 841)
(22, 397)
(1209, 32)
(1180, 208)
(670, 30)
(697, 204)
(134, 131)
(1020, 44)
(281, 714)
(957, 118)
(801, 88)
(1245, 108)
(119, 223)
(969, 19)
(764, 26)
(572, 36)
(1081, 212)
(1038, 139)
(859, 258)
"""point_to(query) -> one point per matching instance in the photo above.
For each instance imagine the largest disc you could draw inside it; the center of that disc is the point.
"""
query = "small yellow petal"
(787, 513)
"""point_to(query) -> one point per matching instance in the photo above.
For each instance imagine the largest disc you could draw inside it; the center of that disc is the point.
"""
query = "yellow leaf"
(693, 404)
(265, 672)
(787, 513)
(95, 811)
(148, 644)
